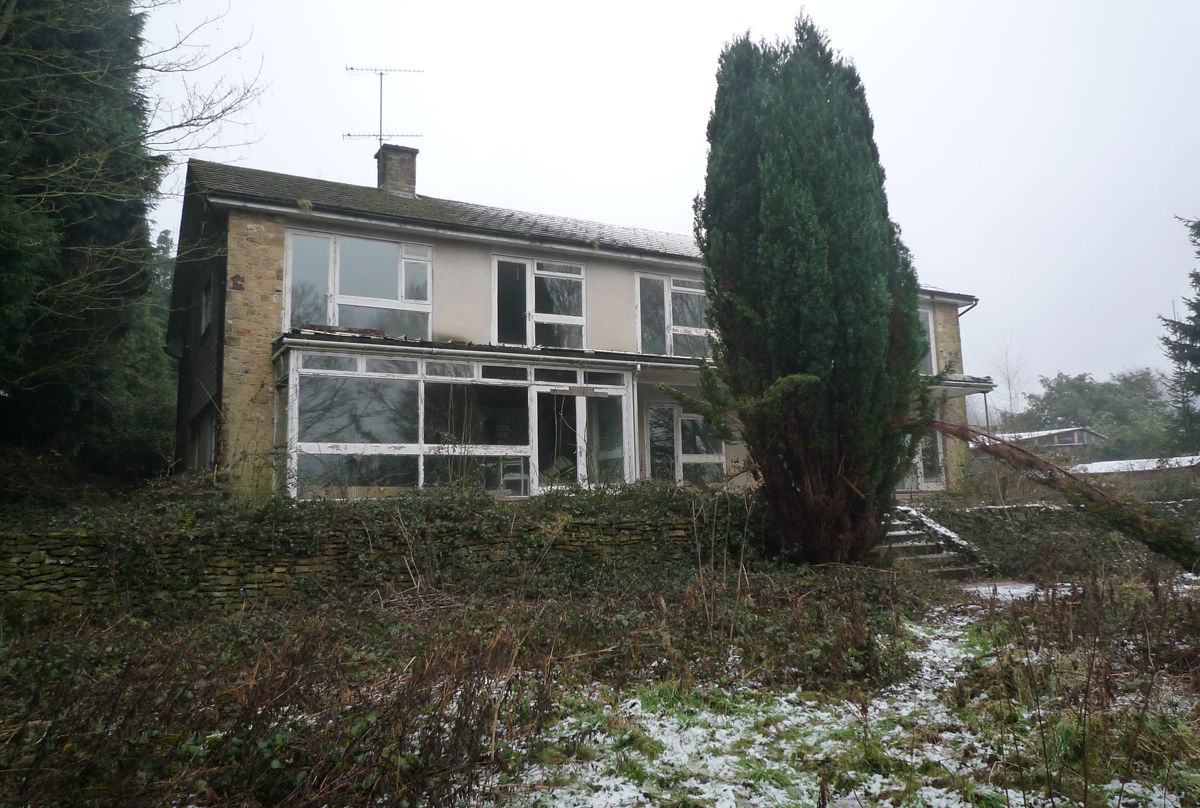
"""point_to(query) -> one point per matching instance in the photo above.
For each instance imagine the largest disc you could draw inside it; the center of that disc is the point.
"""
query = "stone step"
(918, 547)
(959, 573)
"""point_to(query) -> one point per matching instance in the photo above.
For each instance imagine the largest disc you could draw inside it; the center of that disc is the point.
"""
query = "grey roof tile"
(267, 186)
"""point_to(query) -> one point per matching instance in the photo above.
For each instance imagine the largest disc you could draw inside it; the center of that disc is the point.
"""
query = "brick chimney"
(397, 169)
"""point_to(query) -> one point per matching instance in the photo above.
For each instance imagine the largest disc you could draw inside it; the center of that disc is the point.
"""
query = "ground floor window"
(928, 469)
(682, 447)
(205, 428)
(359, 425)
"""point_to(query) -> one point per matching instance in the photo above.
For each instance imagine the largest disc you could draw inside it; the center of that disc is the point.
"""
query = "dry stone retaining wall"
(81, 569)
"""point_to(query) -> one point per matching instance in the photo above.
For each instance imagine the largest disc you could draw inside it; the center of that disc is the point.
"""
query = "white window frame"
(916, 479)
(681, 458)
(671, 284)
(334, 298)
(579, 389)
(533, 269)
(581, 393)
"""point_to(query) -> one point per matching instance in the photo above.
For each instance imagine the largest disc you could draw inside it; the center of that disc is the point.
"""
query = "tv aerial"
(381, 72)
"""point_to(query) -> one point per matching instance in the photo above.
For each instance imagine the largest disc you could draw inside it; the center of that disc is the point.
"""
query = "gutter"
(286, 342)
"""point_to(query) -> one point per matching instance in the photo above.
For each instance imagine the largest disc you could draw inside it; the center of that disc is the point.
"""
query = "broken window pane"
(504, 372)
(662, 443)
(605, 440)
(558, 335)
(689, 310)
(476, 414)
(369, 268)
(555, 375)
(348, 409)
(310, 280)
(392, 322)
(563, 296)
(557, 439)
(654, 315)
(697, 437)
(510, 303)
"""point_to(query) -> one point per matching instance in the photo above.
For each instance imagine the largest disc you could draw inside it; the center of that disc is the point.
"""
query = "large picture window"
(539, 303)
(358, 425)
(672, 316)
(359, 283)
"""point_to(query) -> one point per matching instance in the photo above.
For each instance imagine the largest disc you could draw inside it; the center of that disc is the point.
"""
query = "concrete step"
(914, 547)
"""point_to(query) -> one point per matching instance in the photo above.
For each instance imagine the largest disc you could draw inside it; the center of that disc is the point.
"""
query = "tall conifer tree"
(1182, 343)
(812, 293)
(76, 178)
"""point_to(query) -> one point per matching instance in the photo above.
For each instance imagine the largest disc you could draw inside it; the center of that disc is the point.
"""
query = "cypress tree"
(76, 178)
(812, 294)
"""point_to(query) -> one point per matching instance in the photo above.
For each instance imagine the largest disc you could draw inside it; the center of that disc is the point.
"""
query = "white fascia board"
(450, 233)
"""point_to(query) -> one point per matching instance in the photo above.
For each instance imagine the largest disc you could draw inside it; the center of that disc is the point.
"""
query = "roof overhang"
(958, 385)
(334, 340)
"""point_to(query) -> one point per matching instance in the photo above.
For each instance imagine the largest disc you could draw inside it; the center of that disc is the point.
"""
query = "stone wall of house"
(83, 570)
(946, 338)
(253, 319)
(948, 342)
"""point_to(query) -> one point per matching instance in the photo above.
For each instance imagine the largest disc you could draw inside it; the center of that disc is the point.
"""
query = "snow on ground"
(751, 748)
(1002, 590)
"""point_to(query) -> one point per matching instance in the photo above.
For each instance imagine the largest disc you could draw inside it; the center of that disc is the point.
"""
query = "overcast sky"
(1036, 152)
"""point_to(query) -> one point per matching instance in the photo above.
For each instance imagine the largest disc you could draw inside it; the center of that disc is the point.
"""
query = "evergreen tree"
(76, 178)
(1131, 409)
(812, 294)
(1182, 343)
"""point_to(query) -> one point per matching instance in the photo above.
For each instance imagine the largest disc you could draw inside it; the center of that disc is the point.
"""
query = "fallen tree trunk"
(1168, 537)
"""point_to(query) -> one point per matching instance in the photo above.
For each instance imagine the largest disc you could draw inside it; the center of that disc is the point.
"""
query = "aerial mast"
(381, 72)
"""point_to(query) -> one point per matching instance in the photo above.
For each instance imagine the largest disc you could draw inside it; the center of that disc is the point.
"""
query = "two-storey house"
(344, 340)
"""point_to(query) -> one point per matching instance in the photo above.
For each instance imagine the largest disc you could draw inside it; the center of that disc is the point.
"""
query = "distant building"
(1068, 441)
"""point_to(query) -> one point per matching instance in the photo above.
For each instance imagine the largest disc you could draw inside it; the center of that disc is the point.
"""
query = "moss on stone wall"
(211, 552)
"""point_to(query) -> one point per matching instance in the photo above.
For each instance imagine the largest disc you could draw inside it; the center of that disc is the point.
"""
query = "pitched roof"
(253, 185)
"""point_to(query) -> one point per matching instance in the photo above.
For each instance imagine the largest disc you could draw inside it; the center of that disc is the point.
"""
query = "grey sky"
(1036, 152)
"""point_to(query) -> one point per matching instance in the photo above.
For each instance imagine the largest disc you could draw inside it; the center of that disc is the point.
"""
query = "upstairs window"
(539, 303)
(673, 316)
(360, 283)
(926, 318)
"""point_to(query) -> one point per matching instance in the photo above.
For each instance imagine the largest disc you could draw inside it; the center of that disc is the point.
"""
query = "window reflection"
(348, 409)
